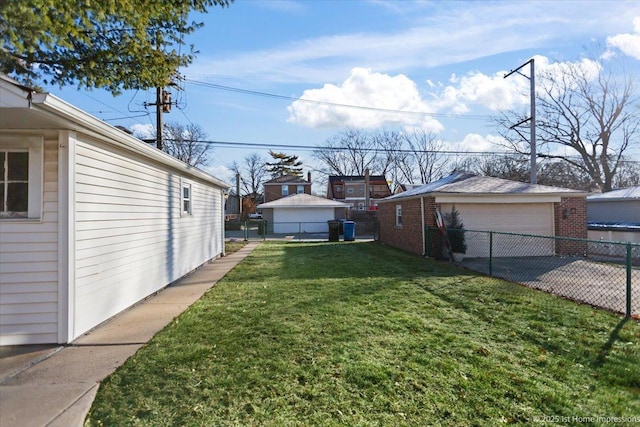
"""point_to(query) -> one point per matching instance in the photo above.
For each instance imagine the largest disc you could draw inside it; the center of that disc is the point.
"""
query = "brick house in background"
(351, 189)
(486, 204)
(286, 185)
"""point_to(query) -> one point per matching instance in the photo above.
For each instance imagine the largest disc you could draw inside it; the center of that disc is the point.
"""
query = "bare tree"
(252, 173)
(628, 175)
(351, 152)
(595, 117)
(423, 160)
(187, 143)
(402, 157)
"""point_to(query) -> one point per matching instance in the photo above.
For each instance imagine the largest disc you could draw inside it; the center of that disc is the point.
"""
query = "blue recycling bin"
(349, 231)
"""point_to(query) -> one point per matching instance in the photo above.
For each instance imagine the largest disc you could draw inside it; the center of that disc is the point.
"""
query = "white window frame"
(350, 190)
(299, 189)
(186, 185)
(34, 145)
(398, 216)
(285, 190)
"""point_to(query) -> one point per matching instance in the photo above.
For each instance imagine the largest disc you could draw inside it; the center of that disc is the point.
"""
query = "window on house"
(21, 177)
(300, 189)
(350, 190)
(285, 190)
(398, 215)
(338, 188)
(14, 190)
(187, 201)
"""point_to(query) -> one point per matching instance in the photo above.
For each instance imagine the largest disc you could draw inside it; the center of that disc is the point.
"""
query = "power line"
(258, 145)
(335, 104)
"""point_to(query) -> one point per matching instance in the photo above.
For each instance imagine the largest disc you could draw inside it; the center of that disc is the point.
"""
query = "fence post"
(490, 253)
(246, 231)
(628, 313)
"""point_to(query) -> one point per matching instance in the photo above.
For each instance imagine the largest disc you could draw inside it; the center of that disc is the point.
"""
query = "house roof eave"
(115, 136)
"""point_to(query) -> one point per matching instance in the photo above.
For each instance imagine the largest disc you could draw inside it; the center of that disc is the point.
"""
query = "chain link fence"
(303, 230)
(603, 274)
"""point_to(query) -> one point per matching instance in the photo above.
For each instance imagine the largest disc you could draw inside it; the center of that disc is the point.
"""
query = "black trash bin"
(334, 230)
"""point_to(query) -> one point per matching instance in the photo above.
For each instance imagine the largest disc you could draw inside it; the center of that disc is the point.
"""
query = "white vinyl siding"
(131, 239)
(522, 218)
(29, 261)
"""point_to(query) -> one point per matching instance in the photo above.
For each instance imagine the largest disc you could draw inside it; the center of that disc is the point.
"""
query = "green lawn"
(234, 246)
(360, 334)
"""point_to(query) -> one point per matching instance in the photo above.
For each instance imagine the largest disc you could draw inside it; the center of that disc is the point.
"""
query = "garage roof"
(616, 195)
(461, 183)
(303, 200)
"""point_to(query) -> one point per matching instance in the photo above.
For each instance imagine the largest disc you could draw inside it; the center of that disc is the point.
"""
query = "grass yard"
(359, 334)
(232, 246)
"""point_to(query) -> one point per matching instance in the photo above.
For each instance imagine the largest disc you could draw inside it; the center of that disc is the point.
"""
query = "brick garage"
(485, 204)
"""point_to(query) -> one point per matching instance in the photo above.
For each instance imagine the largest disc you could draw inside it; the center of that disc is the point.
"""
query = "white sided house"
(92, 220)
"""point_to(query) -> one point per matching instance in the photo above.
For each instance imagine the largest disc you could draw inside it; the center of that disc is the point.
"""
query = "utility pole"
(159, 118)
(163, 105)
(532, 118)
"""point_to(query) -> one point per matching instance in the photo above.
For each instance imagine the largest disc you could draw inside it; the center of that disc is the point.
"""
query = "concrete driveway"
(596, 283)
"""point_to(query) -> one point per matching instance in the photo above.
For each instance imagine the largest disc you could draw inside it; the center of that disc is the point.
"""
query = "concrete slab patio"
(56, 385)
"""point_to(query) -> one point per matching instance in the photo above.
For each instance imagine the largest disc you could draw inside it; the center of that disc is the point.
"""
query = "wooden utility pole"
(159, 101)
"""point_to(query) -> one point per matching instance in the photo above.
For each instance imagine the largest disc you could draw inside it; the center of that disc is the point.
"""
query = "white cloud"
(143, 131)
(629, 44)
(461, 95)
(491, 91)
(221, 172)
(477, 142)
(366, 89)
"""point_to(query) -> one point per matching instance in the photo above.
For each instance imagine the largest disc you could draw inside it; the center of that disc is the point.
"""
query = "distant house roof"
(406, 187)
(287, 179)
(355, 178)
(466, 183)
(630, 193)
(303, 200)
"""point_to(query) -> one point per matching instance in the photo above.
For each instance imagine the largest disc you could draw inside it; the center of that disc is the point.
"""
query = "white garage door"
(302, 220)
(521, 218)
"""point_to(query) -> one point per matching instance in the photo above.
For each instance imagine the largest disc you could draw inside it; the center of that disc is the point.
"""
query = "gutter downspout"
(423, 230)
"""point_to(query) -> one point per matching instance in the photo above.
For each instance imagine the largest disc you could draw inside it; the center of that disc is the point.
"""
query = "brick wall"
(408, 237)
(570, 217)
(274, 192)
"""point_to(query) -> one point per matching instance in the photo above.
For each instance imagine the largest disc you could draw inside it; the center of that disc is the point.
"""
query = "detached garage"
(302, 213)
(92, 220)
(485, 204)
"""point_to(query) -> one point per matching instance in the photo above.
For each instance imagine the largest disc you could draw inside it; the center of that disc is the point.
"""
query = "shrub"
(455, 231)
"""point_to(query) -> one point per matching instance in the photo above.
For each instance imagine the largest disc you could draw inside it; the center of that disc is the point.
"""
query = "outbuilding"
(92, 220)
(615, 215)
(484, 204)
(302, 213)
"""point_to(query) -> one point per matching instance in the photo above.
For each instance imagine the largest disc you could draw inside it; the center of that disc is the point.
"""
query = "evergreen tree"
(116, 45)
(284, 164)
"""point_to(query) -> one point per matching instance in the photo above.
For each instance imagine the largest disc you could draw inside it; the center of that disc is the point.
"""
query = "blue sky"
(445, 59)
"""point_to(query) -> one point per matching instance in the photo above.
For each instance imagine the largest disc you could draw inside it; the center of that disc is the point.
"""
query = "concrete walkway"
(56, 385)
